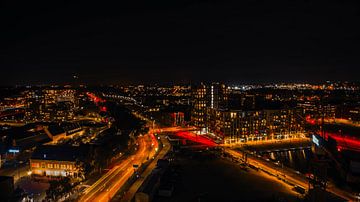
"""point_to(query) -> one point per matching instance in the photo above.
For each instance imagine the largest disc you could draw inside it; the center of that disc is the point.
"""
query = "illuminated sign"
(315, 140)
(14, 150)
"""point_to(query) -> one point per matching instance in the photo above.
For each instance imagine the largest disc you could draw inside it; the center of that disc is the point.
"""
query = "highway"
(133, 189)
(108, 185)
(287, 174)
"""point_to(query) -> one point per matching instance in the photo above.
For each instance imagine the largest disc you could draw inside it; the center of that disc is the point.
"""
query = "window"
(50, 165)
(35, 165)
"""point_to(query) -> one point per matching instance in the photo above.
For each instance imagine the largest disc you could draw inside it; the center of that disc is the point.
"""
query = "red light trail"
(344, 142)
(196, 138)
(97, 100)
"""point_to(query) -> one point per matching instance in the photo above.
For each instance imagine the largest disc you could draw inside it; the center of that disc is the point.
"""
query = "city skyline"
(152, 140)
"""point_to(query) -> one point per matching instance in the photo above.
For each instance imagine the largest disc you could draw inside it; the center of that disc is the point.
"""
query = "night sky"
(242, 41)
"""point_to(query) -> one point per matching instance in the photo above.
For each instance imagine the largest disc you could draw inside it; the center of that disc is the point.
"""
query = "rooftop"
(59, 153)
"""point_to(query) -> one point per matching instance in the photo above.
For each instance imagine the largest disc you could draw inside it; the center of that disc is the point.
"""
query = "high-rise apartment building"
(235, 126)
(241, 116)
(213, 96)
(50, 104)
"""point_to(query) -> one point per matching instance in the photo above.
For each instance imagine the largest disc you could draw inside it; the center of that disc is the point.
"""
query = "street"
(133, 189)
(109, 184)
(287, 174)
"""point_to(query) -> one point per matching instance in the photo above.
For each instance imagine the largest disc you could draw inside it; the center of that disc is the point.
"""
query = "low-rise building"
(57, 161)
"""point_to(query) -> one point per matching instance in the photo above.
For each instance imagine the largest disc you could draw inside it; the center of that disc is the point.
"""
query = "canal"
(297, 159)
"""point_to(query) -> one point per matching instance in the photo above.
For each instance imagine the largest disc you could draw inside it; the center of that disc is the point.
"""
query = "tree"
(58, 187)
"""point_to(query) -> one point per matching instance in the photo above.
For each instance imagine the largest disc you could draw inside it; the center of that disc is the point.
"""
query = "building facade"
(50, 104)
(235, 126)
(53, 168)
(57, 161)
(316, 110)
(212, 96)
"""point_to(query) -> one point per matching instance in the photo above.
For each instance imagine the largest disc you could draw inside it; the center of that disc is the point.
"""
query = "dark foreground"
(205, 177)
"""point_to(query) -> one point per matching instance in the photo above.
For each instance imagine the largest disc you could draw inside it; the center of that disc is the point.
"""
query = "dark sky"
(161, 41)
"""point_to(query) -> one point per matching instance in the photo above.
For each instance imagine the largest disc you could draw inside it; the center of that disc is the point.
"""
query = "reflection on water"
(297, 159)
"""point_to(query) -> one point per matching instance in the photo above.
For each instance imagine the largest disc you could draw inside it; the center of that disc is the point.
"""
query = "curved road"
(107, 186)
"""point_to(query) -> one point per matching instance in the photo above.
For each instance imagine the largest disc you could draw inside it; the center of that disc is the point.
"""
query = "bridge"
(343, 138)
(172, 129)
(185, 133)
